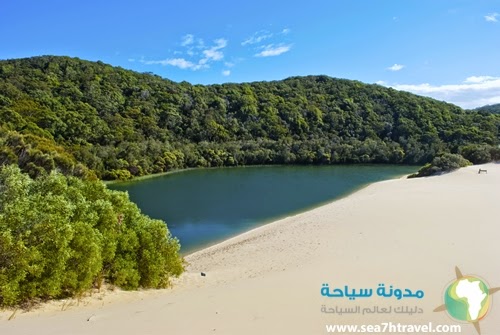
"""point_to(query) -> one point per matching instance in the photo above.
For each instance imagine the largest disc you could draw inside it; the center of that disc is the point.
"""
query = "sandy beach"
(409, 233)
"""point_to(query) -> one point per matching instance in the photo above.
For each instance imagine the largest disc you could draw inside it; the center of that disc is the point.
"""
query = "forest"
(93, 120)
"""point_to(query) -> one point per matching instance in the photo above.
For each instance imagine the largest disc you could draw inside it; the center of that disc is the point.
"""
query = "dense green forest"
(490, 108)
(92, 120)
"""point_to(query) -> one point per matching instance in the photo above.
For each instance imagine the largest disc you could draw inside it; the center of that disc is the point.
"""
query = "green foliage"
(490, 109)
(90, 119)
(60, 235)
(443, 163)
(478, 154)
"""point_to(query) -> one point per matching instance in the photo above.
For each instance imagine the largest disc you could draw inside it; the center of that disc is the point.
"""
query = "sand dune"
(406, 233)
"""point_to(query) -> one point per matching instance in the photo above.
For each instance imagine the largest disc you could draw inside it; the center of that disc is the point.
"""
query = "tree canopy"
(89, 119)
(490, 109)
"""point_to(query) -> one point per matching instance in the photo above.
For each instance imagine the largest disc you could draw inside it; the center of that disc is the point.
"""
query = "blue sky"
(447, 49)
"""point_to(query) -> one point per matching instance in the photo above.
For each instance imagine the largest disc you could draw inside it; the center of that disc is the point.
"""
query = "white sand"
(406, 233)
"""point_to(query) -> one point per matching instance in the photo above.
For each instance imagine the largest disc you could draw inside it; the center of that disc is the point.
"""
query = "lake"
(204, 206)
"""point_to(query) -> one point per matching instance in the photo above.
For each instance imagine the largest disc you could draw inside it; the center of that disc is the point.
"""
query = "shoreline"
(294, 214)
(146, 177)
(404, 232)
(258, 222)
(161, 174)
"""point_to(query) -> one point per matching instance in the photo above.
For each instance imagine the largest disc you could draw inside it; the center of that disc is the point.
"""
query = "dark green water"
(202, 207)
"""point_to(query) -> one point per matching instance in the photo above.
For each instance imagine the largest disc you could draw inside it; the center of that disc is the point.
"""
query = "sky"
(445, 49)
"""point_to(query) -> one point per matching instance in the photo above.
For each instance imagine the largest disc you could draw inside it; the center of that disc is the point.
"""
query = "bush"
(444, 163)
(60, 235)
(477, 154)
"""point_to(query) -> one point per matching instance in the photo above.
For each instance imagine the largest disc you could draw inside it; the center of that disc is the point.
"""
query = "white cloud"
(396, 67)
(177, 62)
(478, 79)
(263, 35)
(214, 53)
(131, 59)
(226, 73)
(257, 38)
(210, 54)
(220, 43)
(272, 50)
(187, 40)
(228, 64)
(491, 17)
(473, 92)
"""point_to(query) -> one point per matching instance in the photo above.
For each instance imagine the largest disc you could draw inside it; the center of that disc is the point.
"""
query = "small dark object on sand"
(203, 274)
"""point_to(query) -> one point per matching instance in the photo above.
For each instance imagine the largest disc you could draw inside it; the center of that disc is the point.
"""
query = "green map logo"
(468, 298)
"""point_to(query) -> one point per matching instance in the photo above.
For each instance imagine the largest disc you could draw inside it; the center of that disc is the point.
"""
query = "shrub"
(443, 163)
(60, 235)
(477, 154)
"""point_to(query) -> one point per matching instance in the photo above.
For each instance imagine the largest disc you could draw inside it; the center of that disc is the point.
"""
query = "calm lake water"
(204, 206)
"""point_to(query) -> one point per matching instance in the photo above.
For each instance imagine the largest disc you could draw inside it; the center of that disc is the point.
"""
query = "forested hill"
(91, 119)
(490, 108)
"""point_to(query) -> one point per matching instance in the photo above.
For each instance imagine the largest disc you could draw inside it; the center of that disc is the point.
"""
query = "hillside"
(91, 119)
(490, 108)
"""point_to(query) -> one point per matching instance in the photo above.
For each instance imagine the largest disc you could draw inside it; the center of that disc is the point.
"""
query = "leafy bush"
(444, 163)
(477, 154)
(60, 235)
